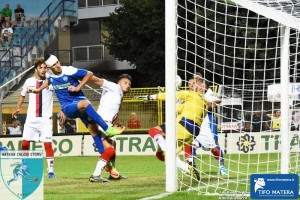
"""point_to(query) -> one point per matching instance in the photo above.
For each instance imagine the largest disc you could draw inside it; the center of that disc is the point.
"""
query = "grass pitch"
(146, 177)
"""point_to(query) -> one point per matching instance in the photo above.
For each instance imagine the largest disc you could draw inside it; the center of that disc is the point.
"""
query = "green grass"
(146, 177)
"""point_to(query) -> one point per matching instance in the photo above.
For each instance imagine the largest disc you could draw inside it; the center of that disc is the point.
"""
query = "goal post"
(249, 50)
(284, 72)
(171, 71)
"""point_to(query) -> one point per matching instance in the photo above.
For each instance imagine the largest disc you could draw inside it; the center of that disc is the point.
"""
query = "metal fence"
(97, 3)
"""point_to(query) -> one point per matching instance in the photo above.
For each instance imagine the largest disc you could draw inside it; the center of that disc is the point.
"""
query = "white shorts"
(206, 137)
(38, 129)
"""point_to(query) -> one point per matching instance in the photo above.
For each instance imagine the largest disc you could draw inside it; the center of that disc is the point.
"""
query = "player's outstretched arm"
(97, 80)
(147, 97)
(19, 104)
(43, 86)
(85, 79)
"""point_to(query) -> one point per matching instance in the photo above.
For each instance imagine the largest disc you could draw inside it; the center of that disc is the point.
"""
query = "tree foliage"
(136, 34)
(226, 51)
(226, 54)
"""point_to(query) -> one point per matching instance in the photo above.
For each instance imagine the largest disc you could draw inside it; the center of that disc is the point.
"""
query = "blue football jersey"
(60, 83)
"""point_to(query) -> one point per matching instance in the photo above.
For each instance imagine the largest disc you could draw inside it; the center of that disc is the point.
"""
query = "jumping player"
(38, 124)
(188, 120)
(208, 135)
(110, 102)
(74, 104)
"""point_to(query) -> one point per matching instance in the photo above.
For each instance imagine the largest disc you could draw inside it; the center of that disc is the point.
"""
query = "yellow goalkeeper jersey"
(194, 106)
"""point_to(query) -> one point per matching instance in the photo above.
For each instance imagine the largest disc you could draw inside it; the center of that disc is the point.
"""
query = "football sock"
(48, 149)
(108, 154)
(221, 159)
(188, 151)
(160, 141)
(181, 165)
(50, 162)
(158, 137)
(98, 143)
(25, 145)
(49, 156)
(218, 154)
(190, 159)
(91, 112)
(99, 167)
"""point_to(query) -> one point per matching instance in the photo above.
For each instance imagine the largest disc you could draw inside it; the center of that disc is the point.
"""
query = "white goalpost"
(248, 53)
(171, 62)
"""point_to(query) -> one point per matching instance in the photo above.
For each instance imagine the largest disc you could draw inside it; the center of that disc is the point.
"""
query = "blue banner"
(274, 186)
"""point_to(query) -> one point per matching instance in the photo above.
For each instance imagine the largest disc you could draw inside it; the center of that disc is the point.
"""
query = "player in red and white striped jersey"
(38, 125)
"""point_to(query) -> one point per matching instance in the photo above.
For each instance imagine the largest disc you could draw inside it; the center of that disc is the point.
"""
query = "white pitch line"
(159, 196)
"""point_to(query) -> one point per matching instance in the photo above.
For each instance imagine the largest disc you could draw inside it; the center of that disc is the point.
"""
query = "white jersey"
(206, 136)
(14, 130)
(110, 101)
(41, 104)
(209, 96)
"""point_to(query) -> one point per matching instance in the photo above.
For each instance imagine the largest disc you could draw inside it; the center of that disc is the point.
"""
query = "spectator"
(19, 16)
(6, 34)
(133, 122)
(295, 120)
(6, 12)
(70, 126)
(7, 20)
(15, 128)
(275, 120)
(61, 127)
(257, 124)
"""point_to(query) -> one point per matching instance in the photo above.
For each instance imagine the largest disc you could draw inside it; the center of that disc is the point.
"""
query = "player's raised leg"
(157, 133)
(92, 113)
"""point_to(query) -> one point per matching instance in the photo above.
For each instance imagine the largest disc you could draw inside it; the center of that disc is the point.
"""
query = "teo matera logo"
(259, 184)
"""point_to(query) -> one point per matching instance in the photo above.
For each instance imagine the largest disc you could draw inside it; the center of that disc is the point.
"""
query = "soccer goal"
(247, 50)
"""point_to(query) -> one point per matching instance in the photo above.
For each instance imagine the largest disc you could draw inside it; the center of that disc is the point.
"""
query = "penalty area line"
(159, 196)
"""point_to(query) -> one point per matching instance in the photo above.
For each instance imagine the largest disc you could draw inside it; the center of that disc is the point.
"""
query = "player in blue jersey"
(74, 104)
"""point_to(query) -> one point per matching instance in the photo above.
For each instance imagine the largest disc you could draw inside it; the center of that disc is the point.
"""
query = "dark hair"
(193, 77)
(47, 56)
(38, 62)
(124, 76)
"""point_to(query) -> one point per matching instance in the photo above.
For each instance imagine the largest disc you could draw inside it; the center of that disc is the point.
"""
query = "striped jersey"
(60, 83)
(41, 104)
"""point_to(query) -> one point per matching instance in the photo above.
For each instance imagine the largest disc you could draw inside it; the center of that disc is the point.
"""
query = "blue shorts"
(188, 124)
(163, 127)
(72, 112)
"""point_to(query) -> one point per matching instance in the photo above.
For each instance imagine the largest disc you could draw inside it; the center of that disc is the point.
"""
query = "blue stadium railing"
(26, 38)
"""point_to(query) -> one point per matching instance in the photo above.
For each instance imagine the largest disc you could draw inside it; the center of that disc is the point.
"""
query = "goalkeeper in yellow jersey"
(190, 115)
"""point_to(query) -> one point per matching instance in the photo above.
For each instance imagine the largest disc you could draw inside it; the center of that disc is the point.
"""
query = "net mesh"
(237, 50)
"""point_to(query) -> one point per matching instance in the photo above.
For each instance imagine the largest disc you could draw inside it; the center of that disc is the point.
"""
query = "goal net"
(248, 52)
